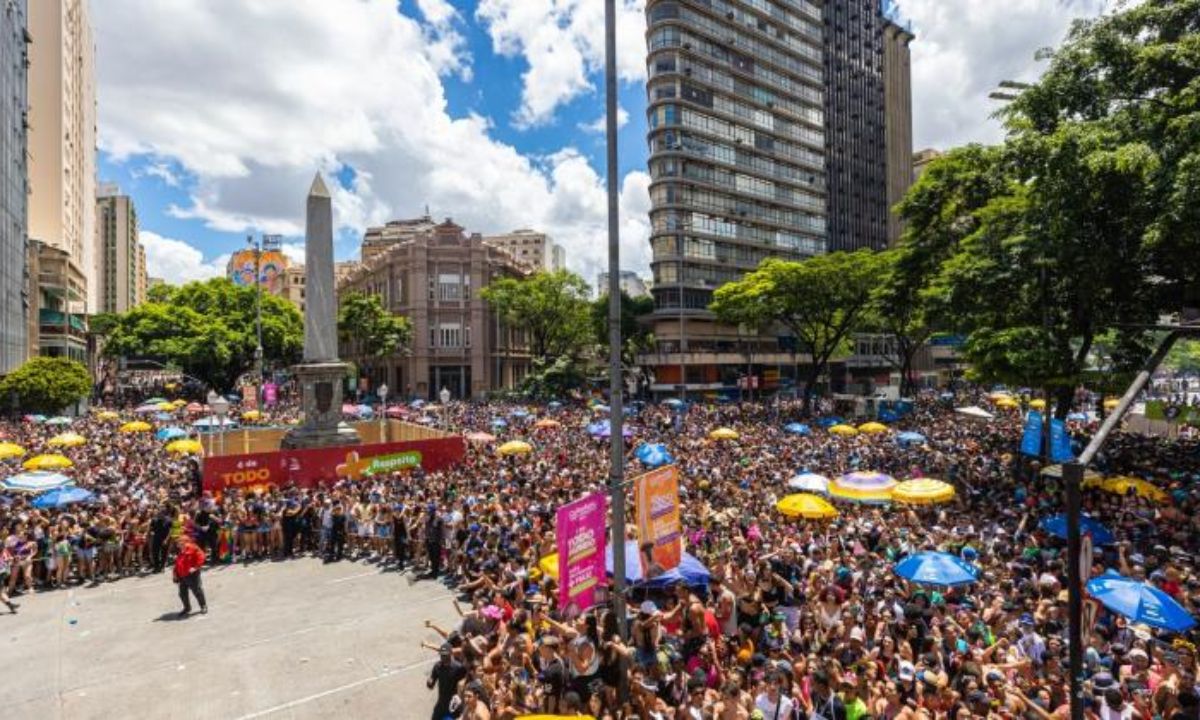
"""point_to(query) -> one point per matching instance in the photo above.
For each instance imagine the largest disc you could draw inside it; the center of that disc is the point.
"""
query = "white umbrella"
(35, 482)
(810, 482)
(975, 412)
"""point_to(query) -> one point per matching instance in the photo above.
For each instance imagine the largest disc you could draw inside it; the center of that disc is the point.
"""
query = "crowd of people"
(800, 619)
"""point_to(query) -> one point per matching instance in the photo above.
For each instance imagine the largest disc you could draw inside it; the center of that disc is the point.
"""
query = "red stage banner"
(326, 466)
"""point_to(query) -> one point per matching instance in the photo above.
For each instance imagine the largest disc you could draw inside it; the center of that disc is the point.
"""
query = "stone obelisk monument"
(321, 374)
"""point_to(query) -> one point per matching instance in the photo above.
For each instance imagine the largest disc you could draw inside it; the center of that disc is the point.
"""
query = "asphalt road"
(295, 639)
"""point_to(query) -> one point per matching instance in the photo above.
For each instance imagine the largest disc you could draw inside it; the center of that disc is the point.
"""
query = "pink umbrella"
(348, 409)
(396, 412)
(480, 437)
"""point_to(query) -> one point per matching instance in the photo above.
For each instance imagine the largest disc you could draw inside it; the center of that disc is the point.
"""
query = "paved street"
(282, 640)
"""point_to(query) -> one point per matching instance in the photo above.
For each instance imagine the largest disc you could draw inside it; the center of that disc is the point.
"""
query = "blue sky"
(476, 108)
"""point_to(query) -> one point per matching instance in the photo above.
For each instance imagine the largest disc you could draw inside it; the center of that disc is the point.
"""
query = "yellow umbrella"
(863, 487)
(107, 415)
(252, 415)
(1091, 478)
(924, 491)
(166, 406)
(546, 423)
(48, 462)
(549, 566)
(515, 447)
(724, 433)
(135, 427)
(806, 506)
(999, 395)
(10, 450)
(843, 430)
(185, 447)
(1111, 404)
(1037, 404)
(179, 403)
(67, 440)
(1007, 403)
(873, 428)
(1143, 489)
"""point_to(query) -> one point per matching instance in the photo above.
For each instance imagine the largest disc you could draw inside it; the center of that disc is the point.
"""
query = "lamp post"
(383, 393)
(220, 406)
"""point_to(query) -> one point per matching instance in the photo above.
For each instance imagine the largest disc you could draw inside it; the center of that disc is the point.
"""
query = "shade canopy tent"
(690, 572)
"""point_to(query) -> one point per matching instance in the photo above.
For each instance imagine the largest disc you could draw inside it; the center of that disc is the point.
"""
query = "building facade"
(630, 283)
(533, 250)
(378, 240)
(293, 285)
(121, 260)
(921, 160)
(434, 279)
(897, 126)
(14, 191)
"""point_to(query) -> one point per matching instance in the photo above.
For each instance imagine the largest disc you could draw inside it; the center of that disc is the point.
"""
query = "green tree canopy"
(368, 329)
(820, 301)
(635, 334)
(207, 329)
(47, 384)
(551, 307)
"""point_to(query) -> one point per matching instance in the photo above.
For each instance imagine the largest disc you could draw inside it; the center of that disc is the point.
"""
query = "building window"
(450, 335)
(450, 286)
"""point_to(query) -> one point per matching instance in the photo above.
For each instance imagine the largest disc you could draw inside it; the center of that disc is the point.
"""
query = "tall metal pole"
(258, 349)
(616, 471)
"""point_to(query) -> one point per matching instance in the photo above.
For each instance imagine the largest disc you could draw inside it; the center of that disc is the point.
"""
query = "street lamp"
(220, 406)
(383, 393)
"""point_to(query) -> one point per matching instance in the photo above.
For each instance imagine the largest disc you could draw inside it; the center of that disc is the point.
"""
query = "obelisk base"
(321, 401)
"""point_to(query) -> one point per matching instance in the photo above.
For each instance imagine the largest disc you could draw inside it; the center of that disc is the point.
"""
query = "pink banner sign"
(579, 530)
(270, 394)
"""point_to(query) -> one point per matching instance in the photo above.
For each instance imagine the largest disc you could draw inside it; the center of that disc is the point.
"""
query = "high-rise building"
(378, 240)
(458, 342)
(62, 168)
(770, 136)
(533, 250)
(868, 121)
(630, 282)
(121, 262)
(14, 108)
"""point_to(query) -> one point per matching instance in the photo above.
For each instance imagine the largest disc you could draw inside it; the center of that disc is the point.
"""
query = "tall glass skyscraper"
(13, 184)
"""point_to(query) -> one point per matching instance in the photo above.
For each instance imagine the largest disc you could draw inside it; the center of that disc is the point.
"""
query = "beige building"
(120, 259)
(532, 250)
(434, 279)
(378, 240)
(293, 285)
(62, 147)
(898, 137)
(921, 160)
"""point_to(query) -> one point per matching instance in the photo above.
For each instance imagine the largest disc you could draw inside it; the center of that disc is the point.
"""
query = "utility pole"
(268, 243)
(616, 472)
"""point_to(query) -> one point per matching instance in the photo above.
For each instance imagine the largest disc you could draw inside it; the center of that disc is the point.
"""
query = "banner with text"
(1031, 440)
(658, 519)
(1060, 442)
(579, 533)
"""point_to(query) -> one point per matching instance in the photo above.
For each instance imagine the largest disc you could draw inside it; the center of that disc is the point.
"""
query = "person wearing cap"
(446, 675)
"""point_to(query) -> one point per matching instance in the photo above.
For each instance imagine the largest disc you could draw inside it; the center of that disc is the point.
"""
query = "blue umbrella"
(171, 433)
(796, 428)
(497, 422)
(62, 497)
(828, 422)
(673, 402)
(910, 438)
(1078, 417)
(365, 410)
(936, 568)
(163, 417)
(35, 482)
(1140, 602)
(519, 413)
(1056, 525)
(690, 571)
(416, 403)
(654, 455)
(888, 416)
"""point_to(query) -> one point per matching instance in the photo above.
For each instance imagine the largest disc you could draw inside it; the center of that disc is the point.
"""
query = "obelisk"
(321, 374)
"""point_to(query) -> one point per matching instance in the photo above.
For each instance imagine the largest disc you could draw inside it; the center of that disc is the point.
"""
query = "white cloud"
(444, 44)
(160, 170)
(600, 124)
(562, 42)
(322, 84)
(178, 262)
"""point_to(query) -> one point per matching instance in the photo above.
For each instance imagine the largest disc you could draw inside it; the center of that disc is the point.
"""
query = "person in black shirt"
(399, 536)
(290, 522)
(435, 528)
(337, 534)
(160, 530)
(206, 529)
(446, 675)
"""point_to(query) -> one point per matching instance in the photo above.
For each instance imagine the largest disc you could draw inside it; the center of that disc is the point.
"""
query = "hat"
(906, 672)
(1026, 619)
(1102, 680)
(1137, 559)
(856, 633)
(647, 607)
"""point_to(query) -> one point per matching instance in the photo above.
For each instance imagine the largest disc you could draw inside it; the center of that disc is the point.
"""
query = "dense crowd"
(800, 618)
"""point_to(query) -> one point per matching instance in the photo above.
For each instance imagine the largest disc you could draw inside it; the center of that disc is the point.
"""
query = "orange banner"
(657, 494)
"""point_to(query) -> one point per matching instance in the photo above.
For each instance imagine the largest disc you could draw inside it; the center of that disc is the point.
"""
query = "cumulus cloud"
(562, 44)
(325, 84)
(600, 124)
(178, 262)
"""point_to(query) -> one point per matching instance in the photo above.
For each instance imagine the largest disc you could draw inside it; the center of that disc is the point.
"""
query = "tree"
(635, 335)
(820, 300)
(47, 384)
(1184, 357)
(368, 329)
(208, 330)
(550, 307)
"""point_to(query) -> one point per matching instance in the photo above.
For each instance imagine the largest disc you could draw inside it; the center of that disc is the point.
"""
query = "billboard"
(579, 535)
(271, 269)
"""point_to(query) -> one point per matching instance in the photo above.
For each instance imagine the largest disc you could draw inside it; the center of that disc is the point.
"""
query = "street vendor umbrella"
(873, 428)
(519, 413)
(515, 447)
(35, 482)
(10, 450)
(923, 491)
(480, 437)
(1140, 602)
(1141, 488)
(136, 426)
(910, 438)
(1007, 404)
(154, 401)
(863, 487)
(806, 506)
(810, 482)
(171, 433)
(194, 408)
(185, 447)
(724, 433)
(211, 422)
(1037, 404)
(62, 497)
(59, 420)
(547, 424)
(828, 422)
(69, 439)
(166, 406)
(107, 415)
(653, 455)
(844, 430)
(146, 409)
(796, 429)
(1056, 525)
(48, 462)
(936, 568)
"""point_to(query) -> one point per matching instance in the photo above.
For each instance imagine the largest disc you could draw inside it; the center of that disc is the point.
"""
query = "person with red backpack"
(188, 563)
